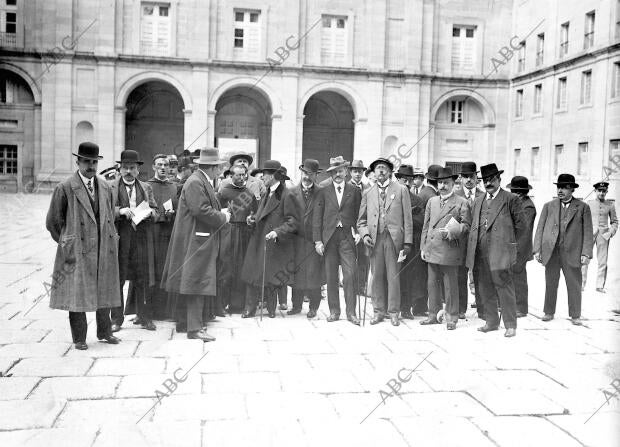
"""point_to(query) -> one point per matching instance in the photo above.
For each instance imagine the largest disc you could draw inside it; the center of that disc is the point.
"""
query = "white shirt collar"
(470, 192)
(447, 196)
(431, 186)
(492, 196)
(273, 187)
(336, 185)
(85, 180)
(385, 184)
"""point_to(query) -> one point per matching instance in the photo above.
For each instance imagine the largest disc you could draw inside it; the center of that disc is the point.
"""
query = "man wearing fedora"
(386, 228)
(356, 170)
(492, 250)
(443, 246)
(274, 226)
(520, 186)
(417, 183)
(605, 226)
(309, 265)
(254, 185)
(191, 263)
(413, 265)
(469, 180)
(564, 242)
(336, 236)
(80, 220)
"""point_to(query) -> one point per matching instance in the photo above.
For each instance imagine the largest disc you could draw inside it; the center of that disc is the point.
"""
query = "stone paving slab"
(26, 350)
(602, 430)
(76, 388)
(30, 413)
(54, 437)
(146, 385)
(441, 431)
(127, 366)
(52, 367)
(12, 388)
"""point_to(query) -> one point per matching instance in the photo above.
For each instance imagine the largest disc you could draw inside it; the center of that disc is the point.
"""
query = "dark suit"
(410, 288)
(525, 253)
(332, 225)
(562, 237)
(363, 263)
(420, 300)
(492, 253)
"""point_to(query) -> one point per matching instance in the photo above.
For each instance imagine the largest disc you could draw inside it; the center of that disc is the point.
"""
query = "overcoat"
(525, 239)
(504, 227)
(578, 239)
(191, 262)
(86, 267)
(275, 213)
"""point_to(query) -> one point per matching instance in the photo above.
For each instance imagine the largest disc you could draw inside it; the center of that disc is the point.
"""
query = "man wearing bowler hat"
(520, 186)
(80, 220)
(604, 226)
(492, 249)
(336, 236)
(564, 242)
(386, 228)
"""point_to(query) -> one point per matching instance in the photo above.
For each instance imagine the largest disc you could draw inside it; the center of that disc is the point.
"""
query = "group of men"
(195, 244)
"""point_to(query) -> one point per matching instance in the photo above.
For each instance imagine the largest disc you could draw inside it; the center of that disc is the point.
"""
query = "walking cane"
(262, 290)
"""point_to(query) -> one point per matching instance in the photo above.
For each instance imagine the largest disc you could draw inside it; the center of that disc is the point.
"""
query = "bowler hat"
(433, 171)
(209, 156)
(445, 173)
(566, 180)
(489, 170)
(310, 166)
(468, 168)
(255, 171)
(404, 171)
(129, 156)
(89, 151)
(601, 185)
(236, 157)
(357, 164)
(283, 171)
(381, 160)
(519, 183)
(271, 166)
(337, 162)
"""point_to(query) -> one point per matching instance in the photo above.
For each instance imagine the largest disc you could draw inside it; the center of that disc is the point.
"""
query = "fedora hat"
(468, 168)
(357, 164)
(89, 151)
(404, 171)
(236, 157)
(519, 183)
(445, 173)
(566, 180)
(337, 162)
(209, 156)
(271, 166)
(489, 170)
(433, 171)
(601, 185)
(383, 160)
(129, 156)
(310, 166)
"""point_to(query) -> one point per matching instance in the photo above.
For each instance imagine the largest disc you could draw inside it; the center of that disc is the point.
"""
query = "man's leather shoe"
(473, 305)
(248, 314)
(576, 321)
(521, 315)
(462, 316)
(451, 325)
(510, 332)
(547, 317)
(200, 335)
(115, 328)
(181, 328)
(137, 320)
(394, 320)
(149, 325)
(486, 328)
(271, 313)
(353, 319)
(293, 311)
(420, 314)
(429, 321)
(376, 319)
(111, 339)
(407, 315)
(283, 307)
(599, 290)
(311, 313)
(81, 345)
(333, 317)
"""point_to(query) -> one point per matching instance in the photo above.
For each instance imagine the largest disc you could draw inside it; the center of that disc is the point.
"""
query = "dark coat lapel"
(209, 188)
(346, 193)
(494, 212)
(572, 210)
(447, 208)
(272, 202)
(80, 192)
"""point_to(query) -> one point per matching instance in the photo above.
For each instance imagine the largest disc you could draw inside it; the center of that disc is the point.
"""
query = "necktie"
(306, 192)
(442, 202)
(91, 191)
(339, 188)
(382, 192)
(416, 191)
(130, 189)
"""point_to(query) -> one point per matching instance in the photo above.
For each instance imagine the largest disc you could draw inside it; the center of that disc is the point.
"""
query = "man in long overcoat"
(81, 220)
(274, 228)
(191, 263)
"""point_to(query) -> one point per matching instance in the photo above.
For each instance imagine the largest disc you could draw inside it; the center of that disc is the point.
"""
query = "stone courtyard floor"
(294, 382)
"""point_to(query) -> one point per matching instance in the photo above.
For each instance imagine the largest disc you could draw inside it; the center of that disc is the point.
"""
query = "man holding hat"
(136, 251)
(254, 185)
(191, 263)
(386, 228)
(335, 236)
(443, 244)
(564, 242)
(85, 275)
(492, 250)
(605, 226)
(519, 185)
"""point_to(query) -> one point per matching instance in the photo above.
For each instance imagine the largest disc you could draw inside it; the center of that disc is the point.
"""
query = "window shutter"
(147, 30)
(456, 50)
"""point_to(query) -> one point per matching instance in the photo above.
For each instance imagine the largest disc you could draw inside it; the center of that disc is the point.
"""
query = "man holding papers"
(443, 246)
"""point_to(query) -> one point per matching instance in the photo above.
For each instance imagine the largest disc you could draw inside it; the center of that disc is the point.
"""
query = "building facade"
(422, 81)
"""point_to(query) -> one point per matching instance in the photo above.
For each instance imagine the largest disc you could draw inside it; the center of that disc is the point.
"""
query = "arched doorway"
(154, 122)
(16, 133)
(328, 127)
(243, 124)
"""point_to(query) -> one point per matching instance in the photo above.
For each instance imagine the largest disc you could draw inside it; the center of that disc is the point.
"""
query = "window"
(521, 57)
(246, 35)
(517, 163)
(519, 104)
(334, 40)
(614, 148)
(8, 23)
(540, 49)
(463, 49)
(557, 159)
(155, 29)
(564, 39)
(534, 162)
(456, 112)
(561, 100)
(8, 159)
(582, 159)
(537, 99)
(615, 88)
(586, 87)
(396, 44)
(588, 33)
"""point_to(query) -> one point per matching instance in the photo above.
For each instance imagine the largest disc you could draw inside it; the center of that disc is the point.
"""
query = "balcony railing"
(8, 39)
